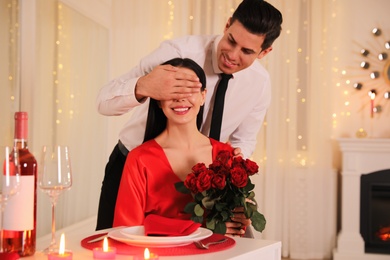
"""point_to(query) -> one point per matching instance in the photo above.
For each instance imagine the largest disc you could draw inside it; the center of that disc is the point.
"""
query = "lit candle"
(372, 96)
(62, 253)
(104, 253)
(147, 256)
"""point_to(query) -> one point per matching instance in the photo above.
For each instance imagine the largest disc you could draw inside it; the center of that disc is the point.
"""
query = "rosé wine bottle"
(20, 212)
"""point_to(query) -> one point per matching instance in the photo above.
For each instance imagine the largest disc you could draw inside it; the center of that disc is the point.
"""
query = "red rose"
(224, 171)
(219, 181)
(239, 177)
(198, 168)
(215, 166)
(190, 183)
(237, 161)
(251, 167)
(223, 156)
(218, 168)
(204, 180)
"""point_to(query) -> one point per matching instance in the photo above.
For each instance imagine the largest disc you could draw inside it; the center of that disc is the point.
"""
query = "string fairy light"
(57, 67)
(13, 46)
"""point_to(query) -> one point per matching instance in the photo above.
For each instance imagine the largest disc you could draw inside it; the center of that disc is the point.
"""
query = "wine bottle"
(20, 212)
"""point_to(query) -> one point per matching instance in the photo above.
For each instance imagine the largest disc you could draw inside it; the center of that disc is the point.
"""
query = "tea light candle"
(104, 253)
(62, 254)
(148, 255)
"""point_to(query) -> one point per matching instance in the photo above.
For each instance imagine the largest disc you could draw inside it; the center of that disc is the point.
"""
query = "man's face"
(238, 48)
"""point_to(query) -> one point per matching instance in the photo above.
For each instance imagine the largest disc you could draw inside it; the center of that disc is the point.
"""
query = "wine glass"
(54, 177)
(9, 181)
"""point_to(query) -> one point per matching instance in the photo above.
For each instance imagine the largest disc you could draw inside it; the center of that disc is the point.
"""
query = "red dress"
(148, 186)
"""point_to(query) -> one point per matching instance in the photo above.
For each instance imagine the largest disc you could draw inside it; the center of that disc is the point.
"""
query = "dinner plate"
(147, 241)
(138, 232)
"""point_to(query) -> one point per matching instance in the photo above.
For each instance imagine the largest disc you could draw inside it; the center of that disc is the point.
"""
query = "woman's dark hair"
(156, 121)
(259, 17)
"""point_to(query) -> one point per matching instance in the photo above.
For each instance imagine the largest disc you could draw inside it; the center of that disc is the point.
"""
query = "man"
(248, 36)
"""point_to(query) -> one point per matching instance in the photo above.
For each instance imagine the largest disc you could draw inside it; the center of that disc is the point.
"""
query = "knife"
(97, 239)
(103, 235)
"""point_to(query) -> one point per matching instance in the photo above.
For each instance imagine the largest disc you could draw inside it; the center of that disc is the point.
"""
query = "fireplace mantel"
(360, 156)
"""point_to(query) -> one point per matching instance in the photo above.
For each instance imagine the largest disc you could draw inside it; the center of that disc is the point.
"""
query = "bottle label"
(19, 210)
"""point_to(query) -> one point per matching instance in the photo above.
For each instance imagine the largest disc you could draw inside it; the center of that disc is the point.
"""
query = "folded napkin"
(162, 226)
(9, 256)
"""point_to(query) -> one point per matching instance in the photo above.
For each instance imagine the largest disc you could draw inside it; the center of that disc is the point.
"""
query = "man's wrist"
(138, 91)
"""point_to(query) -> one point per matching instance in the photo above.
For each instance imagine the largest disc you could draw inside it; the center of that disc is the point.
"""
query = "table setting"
(81, 232)
(158, 238)
(162, 236)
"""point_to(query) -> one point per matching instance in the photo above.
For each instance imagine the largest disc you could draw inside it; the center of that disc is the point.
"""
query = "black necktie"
(216, 119)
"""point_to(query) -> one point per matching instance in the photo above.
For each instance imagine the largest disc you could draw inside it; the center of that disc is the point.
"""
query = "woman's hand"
(238, 224)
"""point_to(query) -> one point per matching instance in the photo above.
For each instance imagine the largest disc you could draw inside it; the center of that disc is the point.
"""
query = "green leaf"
(249, 186)
(225, 215)
(249, 212)
(199, 197)
(258, 221)
(207, 203)
(251, 195)
(210, 224)
(220, 228)
(238, 201)
(197, 219)
(198, 210)
(180, 187)
(220, 206)
(189, 208)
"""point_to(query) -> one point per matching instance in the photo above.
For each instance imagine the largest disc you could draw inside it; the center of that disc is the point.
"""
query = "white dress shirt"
(247, 98)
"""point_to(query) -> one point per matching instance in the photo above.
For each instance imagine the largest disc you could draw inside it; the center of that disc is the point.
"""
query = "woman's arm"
(131, 200)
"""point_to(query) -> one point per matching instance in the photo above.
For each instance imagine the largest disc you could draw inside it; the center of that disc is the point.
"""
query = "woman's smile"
(181, 109)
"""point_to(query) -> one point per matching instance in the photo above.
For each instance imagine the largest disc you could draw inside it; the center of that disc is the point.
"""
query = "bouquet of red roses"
(220, 188)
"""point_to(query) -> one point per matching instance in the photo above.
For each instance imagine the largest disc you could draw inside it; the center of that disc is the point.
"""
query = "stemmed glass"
(9, 181)
(54, 177)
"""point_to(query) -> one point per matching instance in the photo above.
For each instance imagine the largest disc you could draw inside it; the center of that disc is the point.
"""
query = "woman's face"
(184, 110)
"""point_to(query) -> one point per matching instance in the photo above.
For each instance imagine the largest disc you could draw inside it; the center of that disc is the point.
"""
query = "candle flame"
(61, 251)
(105, 245)
(372, 94)
(146, 254)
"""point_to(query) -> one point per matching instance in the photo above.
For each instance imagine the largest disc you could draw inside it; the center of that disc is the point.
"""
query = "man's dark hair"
(157, 121)
(259, 17)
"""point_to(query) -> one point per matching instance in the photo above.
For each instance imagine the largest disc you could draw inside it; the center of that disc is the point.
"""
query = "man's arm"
(147, 79)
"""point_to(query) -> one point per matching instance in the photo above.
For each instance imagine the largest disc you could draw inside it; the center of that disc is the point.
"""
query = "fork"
(200, 245)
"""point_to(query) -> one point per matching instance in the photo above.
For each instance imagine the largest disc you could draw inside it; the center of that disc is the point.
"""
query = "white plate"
(146, 241)
(138, 233)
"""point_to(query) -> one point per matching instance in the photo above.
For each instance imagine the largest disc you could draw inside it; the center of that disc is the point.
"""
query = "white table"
(245, 248)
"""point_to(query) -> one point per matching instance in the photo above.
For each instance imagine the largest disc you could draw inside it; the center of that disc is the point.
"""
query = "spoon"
(200, 245)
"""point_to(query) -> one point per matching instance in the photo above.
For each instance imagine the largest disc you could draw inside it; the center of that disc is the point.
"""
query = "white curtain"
(75, 51)
(299, 184)
(65, 111)
(9, 57)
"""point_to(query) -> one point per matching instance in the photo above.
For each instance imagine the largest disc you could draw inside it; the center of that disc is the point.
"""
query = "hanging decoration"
(376, 80)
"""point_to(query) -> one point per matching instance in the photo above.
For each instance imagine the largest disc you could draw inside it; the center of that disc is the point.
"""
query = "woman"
(172, 146)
